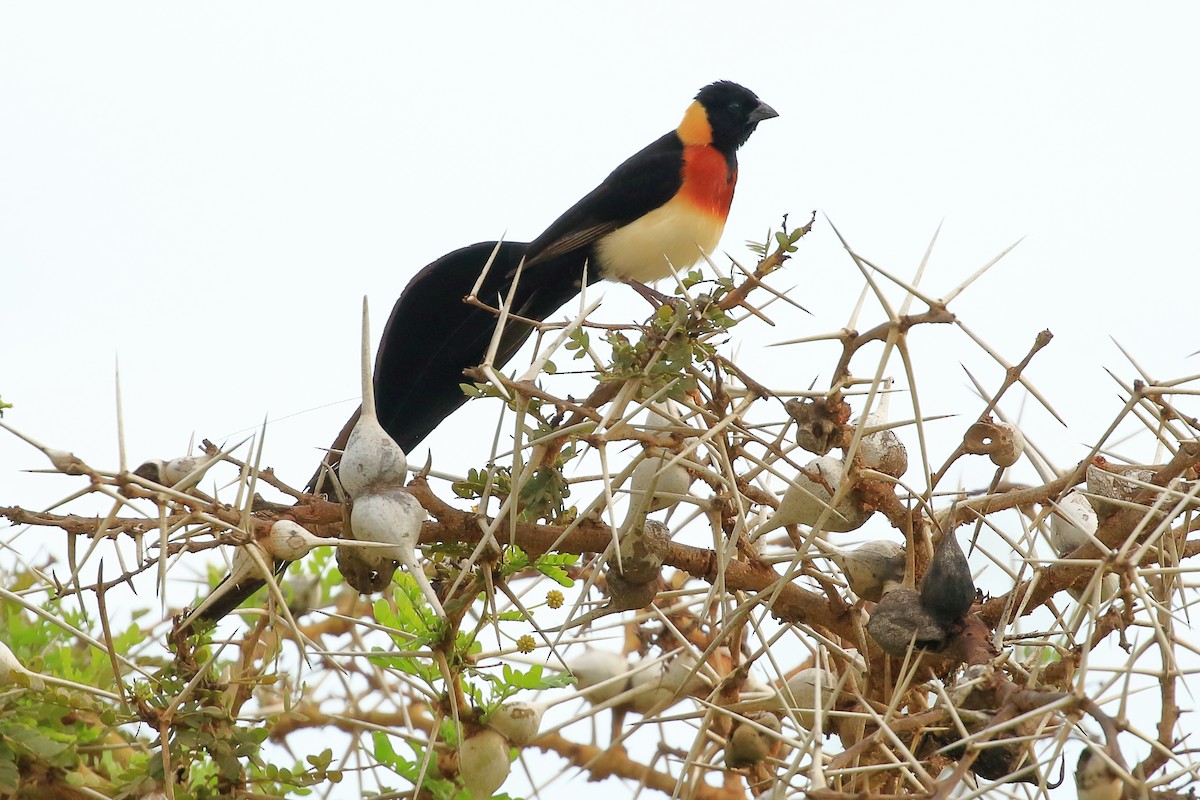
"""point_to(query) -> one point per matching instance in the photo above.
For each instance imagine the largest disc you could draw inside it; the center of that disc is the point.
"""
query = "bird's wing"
(645, 181)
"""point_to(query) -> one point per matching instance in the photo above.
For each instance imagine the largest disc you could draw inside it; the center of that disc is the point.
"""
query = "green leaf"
(534, 679)
(556, 574)
(579, 342)
(384, 614)
(516, 560)
(10, 776)
(551, 565)
(383, 751)
(33, 741)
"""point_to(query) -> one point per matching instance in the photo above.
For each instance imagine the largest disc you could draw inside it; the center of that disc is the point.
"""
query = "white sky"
(206, 192)
(207, 195)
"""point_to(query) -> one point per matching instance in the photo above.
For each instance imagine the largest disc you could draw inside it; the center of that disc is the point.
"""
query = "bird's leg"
(653, 296)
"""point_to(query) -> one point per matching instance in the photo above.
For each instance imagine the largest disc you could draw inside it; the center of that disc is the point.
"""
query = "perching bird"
(663, 208)
(1095, 779)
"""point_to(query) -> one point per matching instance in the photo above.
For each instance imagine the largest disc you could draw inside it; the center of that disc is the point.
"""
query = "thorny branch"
(729, 603)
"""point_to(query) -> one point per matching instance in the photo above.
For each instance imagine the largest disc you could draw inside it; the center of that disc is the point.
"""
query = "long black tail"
(430, 338)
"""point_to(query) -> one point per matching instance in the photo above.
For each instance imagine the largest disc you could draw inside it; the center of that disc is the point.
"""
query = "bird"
(749, 744)
(1095, 778)
(662, 209)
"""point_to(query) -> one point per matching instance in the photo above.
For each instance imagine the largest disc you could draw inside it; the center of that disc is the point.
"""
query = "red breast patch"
(707, 180)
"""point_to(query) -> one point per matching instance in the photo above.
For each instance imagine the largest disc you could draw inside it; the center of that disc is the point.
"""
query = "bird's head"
(733, 112)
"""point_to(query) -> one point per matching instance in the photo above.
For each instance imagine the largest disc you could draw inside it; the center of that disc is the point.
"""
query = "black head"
(733, 113)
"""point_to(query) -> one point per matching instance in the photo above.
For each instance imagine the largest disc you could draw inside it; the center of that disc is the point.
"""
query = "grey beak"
(763, 111)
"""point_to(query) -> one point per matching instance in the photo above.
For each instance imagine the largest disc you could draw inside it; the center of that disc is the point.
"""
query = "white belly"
(672, 235)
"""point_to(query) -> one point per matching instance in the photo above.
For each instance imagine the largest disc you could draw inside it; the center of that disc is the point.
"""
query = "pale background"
(207, 192)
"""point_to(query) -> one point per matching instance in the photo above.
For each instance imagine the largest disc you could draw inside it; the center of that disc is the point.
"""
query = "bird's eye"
(735, 107)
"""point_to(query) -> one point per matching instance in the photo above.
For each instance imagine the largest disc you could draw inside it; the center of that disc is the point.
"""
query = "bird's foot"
(653, 296)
